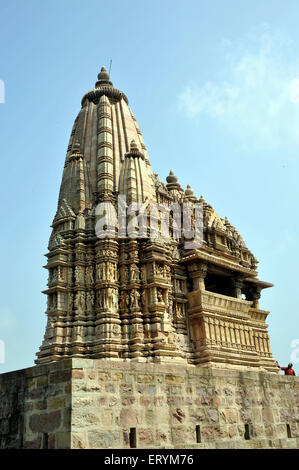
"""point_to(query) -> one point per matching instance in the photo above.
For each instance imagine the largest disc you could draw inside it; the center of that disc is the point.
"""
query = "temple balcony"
(200, 300)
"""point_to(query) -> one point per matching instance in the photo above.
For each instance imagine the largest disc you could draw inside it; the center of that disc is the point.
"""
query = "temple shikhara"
(148, 298)
(154, 335)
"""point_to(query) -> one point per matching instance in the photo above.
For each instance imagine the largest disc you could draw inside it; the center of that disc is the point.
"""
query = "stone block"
(107, 417)
(79, 441)
(45, 422)
(231, 415)
(267, 415)
(145, 378)
(77, 374)
(104, 440)
(170, 379)
(60, 376)
(129, 418)
(63, 440)
(145, 437)
(57, 403)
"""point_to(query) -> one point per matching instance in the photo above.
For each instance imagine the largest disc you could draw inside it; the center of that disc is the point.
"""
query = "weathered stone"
(117, 376)
(103, 440)
(34, 444)
(60, 376)
(107, 417)
(4, 426)
(103, 376)
(57, 403)
(145, 378)
(78, 374)
(179, 415)
(82, 401)
(127, 401)
(267, 415)
(124, 389)
(174, 379)
(45, 422)
(285, 415)
(231, 415)
(232, 431)
(245, 415)
(212, 433)
(79, 441)
(128, 417)
(145, 437)
(197, 415)
(212, 416)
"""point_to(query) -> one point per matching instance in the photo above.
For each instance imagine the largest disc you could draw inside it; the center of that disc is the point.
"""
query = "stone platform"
(84, 403)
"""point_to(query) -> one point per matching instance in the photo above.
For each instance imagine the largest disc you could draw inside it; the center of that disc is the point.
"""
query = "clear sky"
(214, 86)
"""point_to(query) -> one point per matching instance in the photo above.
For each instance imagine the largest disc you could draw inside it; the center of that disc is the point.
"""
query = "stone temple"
(151, 341)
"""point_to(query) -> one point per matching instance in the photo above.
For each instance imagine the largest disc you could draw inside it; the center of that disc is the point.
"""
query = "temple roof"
(118, 129)
(107, 156)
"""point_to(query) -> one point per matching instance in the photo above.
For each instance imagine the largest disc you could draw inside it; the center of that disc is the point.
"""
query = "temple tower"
(120, 287)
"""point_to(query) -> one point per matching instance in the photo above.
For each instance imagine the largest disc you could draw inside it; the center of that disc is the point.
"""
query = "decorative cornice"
(111, 92)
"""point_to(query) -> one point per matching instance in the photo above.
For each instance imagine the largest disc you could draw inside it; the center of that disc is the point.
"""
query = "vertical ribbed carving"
(104, 148)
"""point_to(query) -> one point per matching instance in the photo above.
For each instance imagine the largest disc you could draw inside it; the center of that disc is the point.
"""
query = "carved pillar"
(237, 287)
(255, 295)
(107, 325)
(198, 272)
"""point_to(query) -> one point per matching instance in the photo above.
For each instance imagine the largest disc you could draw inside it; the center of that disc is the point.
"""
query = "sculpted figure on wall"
(160, 295)
(134, 272)
(124, 301)
(80, 302)
(135, 296)
(79, 275)
(89, 301)
(89, 275)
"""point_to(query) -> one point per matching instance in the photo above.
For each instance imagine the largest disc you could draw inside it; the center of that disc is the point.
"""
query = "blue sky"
(214, 86)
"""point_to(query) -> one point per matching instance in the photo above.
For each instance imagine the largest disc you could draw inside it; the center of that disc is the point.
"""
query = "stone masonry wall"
(84, 403)
(35, 407)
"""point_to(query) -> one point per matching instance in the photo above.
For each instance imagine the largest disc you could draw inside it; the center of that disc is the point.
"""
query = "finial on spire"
(103, 78)
(133, 145)
(103, 75)
(76, 147)
(189, 191)
(171, 178)
(134, 151)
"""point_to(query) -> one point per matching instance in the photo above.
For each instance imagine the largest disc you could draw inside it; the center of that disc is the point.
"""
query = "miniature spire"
(133, 145)
(173, 186)
(134, 151)
(189, 194)
(171, 178)
(189, 191)
(76, 148)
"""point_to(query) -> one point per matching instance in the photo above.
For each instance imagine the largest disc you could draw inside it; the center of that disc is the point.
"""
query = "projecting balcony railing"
(204, 298)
